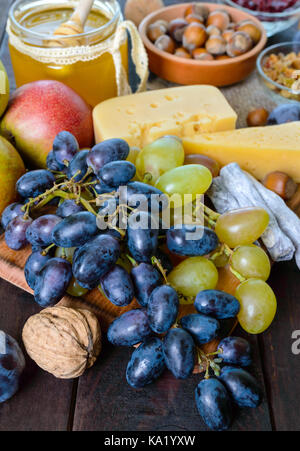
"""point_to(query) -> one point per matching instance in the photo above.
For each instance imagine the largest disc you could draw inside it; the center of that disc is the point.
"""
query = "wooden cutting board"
(12, 269)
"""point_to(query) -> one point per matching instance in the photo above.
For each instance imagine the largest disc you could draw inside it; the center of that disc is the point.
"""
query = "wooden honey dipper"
(74, 26)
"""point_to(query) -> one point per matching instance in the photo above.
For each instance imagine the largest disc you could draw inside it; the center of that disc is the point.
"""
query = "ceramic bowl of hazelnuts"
(202, 43)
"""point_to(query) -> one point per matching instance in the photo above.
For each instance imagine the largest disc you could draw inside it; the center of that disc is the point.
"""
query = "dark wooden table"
(102, 400)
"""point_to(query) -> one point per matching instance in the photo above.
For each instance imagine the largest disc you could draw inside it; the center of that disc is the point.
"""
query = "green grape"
(242, 226)
(192, 179)
(159, 157)
(193, 275)
(258, 305)
(65, 252)
(133, 153)
(251, 262)
(74, 289)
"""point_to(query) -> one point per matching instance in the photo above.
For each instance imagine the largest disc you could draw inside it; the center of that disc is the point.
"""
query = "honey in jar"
(94, 63)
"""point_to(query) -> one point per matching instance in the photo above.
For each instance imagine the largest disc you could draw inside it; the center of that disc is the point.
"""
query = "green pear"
(11, 169)
(4, 89)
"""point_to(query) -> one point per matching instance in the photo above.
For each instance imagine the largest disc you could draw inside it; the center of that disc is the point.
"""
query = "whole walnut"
(137, 10)
(63, 341)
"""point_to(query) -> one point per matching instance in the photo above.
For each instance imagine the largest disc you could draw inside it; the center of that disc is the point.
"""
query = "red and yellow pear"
(38, 111)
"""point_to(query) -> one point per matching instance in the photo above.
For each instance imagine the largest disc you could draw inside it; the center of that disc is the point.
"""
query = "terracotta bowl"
(189, 72)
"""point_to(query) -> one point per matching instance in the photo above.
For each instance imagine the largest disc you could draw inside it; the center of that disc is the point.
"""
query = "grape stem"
(232, 329)
(237, 274)
(227, 250)
(51, 191)
(204, 361)
(88, 172)
(45, 251)
(211, 214)
(224, 249)
(218, 351)
(132, 260)
(110, 222)
(156, 262)
(209, 221)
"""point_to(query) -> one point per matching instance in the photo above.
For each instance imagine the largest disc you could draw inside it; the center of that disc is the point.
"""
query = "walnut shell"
(63, 341)
(136, 10)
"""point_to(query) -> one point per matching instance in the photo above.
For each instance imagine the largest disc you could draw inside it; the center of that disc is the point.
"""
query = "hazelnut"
(238, 24)
(194, 18)
(218, 18)
(216, 45)
(194, 36)
(197, 8)
(225, 11)
(164, 23)
(165, 44)
(251, 29)
(176, 29)
(209, 163)
(201, 54)
(231, 26)
(222, 57)
(239, 44)
(212, 30)
(294, 202)
(257, 117)
(227, 35)
(155, 31)
(182, 53)
(281, 184)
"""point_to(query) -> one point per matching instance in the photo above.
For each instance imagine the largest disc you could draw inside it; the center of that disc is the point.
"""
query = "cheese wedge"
(259, 150)
(183, 111)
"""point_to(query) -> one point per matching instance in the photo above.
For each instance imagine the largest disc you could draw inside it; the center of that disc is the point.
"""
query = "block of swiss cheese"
(258, 150)
(183, 111)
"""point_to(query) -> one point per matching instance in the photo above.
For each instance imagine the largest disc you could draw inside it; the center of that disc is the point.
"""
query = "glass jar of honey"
(93, 63)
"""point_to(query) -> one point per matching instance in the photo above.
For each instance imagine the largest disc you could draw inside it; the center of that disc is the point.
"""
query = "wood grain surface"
(101, 399)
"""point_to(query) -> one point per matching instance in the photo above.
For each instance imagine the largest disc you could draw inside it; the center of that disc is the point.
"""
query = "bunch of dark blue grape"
(179, 350)
(71, 253)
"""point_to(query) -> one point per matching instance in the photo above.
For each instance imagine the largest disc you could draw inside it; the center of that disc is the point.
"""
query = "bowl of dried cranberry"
(275, 15)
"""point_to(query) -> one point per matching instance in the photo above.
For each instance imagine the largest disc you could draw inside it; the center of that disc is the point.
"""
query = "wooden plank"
(106, 402)
(43, 402)
(281, 366)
